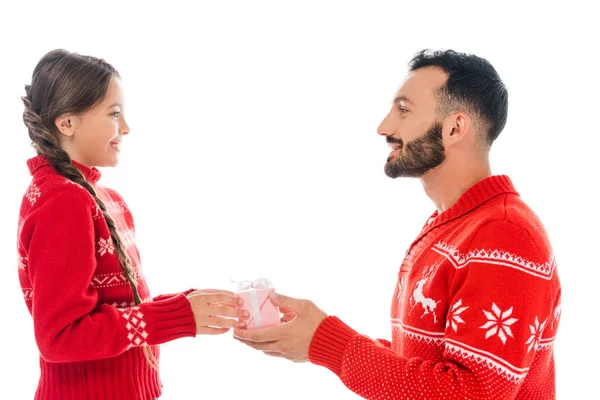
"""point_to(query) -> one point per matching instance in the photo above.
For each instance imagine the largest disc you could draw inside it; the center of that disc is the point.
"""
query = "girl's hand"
(215, 311)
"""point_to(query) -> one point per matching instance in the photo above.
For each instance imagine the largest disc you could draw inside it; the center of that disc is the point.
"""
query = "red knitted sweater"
(474, 313)
(88, 330)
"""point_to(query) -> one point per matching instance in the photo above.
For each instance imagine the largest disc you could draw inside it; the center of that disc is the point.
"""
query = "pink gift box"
(263, 312)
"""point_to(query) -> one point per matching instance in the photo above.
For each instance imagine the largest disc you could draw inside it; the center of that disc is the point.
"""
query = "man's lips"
(394, 143)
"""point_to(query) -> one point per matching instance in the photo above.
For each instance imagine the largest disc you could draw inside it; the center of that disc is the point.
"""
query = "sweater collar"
(475, 196)
(92, 175)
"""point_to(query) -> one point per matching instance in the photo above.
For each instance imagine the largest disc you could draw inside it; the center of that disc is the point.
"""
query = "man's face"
(413, 128)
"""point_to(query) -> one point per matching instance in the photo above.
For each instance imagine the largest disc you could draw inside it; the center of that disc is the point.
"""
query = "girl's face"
(93, 138)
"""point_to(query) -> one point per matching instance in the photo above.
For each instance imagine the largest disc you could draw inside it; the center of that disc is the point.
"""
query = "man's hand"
(290, 340)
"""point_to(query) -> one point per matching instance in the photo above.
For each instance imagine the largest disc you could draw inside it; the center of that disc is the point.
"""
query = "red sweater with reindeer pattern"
(474, 314)
(87, 327)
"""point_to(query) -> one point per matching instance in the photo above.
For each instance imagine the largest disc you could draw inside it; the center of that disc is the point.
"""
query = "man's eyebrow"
(405, 99)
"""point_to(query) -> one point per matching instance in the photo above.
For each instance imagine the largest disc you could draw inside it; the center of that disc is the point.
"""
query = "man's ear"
(455, 127)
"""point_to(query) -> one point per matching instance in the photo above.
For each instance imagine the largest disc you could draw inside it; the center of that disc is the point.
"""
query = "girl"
(95, 325)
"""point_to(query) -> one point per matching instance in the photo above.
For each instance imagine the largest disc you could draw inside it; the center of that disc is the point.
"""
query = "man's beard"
(417, 156)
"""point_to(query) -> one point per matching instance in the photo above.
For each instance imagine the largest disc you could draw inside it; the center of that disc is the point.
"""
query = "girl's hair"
(65, 82)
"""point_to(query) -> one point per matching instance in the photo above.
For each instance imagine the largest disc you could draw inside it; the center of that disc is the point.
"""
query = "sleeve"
(69, 324)
(500, 301)
(170, 295)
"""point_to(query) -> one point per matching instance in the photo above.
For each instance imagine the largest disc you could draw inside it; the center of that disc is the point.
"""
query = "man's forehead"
(420, 84)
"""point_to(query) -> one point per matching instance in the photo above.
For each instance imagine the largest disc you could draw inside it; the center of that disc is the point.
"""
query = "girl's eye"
(403, 110)
(116, 114)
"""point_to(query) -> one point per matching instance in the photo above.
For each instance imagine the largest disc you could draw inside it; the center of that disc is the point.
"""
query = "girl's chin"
(110, 162)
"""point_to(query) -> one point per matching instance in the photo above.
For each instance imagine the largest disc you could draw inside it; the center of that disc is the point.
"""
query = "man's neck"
(445, 184)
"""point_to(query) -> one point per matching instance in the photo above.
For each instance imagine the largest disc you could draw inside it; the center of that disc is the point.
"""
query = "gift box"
(263, 312)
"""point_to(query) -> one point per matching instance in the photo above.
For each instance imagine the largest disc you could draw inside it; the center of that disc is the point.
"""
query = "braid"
(69, 82)
(46, 144)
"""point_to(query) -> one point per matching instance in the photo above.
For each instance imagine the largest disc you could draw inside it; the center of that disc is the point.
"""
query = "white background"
(253, 153)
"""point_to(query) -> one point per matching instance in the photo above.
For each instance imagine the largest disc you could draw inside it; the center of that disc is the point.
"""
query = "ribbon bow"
(261, 283)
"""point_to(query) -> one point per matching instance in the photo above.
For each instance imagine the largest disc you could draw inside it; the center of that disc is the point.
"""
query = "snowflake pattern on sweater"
(88, 329)
(474, 313)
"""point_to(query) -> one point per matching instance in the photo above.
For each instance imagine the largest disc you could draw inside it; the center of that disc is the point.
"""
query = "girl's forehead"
(114, 94)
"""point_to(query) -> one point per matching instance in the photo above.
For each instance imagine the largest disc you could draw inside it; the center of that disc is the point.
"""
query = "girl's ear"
(66, 124)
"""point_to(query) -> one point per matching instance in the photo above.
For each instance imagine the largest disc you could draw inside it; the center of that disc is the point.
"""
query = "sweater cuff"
(161, 297)
(169, 319)
(329, 344)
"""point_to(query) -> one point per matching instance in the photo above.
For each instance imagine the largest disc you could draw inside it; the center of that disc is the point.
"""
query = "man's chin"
(394, 172)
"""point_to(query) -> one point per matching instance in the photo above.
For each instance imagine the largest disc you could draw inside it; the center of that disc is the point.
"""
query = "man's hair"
(473, 86)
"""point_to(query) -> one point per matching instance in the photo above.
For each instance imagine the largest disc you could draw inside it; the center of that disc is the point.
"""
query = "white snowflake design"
(22, 262)
(498, 323)
(21, 223)
(536, 334)
(454, 318)
(401, 287)
(105, 246)
(28, 294)
(33, 193)
(556, 319)
(97, 213)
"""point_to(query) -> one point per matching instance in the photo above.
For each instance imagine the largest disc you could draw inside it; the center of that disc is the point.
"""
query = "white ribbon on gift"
(252, 287)
(261, 283)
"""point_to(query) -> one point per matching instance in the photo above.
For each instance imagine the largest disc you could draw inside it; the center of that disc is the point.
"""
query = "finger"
(227, 304)
(274, 354)
(287, 317)
(219, 322)
(284, 310)
(269, 334)
(289, 303)
(211, 291)
(207, 330)
(265, 346)
(211, 298)
(223, 311)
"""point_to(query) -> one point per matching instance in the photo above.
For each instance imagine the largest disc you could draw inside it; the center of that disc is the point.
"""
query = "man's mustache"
(390, 139)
